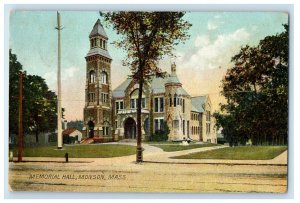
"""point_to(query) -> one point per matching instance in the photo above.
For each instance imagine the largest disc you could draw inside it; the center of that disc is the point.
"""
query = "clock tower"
(98, 93)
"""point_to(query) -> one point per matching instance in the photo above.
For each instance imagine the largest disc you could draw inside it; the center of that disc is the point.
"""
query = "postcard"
(128, 101)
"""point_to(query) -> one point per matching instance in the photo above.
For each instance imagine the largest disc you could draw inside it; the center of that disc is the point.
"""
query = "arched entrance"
(91, 129)
(130, 128)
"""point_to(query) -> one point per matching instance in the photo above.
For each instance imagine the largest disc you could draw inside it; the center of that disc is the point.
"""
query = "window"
(159, 124)
(143, 103)
(91, 97)
(183, 105)
(119, 105)
(159, 104)
(105, 130)
(132, 103)
(92, 76)
(207, 128)
(156, 104)
(208, 116)
(101, 43)
(183, 127)
(104, 97)
(104, 77)
(176, 124)
(175, 99)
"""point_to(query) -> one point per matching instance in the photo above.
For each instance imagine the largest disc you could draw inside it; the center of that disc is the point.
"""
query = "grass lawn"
(80, 151)
(177, 147)
(238, 153)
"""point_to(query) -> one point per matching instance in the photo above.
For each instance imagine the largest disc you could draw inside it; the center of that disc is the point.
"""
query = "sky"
(201, 61)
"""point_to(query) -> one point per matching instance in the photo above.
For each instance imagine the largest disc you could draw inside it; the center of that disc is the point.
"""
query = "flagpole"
(59, 110)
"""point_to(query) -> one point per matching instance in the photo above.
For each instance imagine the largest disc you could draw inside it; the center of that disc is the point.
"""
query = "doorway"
(130, 128)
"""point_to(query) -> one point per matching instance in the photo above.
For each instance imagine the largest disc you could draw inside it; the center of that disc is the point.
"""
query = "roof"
(68, 131)
(173, 79)
(120, 90)
(198, 103)
(98, 30)
(102, 52)
(157, 86)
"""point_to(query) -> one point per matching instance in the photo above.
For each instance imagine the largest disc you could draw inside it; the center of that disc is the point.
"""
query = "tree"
(256, 89)
(146, 37)
(78, 124)
(39, 103)
(14, 70)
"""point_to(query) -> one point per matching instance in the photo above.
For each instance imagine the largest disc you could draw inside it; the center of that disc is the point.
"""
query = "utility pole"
(20, 148)
(59, 113)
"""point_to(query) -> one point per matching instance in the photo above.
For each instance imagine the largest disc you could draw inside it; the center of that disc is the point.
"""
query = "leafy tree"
(39, 103)
(147, 37)
(14, 69)
(256, 89)
(78, 124)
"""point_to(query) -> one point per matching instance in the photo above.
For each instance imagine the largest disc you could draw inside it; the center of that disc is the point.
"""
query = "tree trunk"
(139, 154)
(36, 136)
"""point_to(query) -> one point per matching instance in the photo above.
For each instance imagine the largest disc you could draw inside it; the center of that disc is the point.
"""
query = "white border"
(213, 6)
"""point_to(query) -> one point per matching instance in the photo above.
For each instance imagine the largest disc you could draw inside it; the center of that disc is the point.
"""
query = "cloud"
(214, 23)
(212, 54)
(202, 40)
(70, 72)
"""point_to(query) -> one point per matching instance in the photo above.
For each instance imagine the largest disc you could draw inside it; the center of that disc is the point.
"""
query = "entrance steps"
(87, 141)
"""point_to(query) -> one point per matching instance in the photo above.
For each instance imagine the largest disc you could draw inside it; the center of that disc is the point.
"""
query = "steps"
(87, 141)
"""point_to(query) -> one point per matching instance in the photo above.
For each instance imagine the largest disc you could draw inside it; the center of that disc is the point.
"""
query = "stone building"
(111, 115)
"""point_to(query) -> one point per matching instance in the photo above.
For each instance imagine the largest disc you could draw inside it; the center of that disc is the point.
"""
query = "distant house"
(72, 133)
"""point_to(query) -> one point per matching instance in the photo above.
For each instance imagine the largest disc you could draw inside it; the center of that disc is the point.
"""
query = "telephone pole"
(59, 113)
(20, 147)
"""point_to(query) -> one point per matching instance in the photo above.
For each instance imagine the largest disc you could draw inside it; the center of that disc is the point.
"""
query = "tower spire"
(173, 68)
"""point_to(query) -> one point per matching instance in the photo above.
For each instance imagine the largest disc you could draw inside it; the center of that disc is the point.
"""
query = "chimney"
(65, 124)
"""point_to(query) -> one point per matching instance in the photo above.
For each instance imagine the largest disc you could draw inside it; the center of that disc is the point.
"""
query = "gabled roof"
(68, 131)
(98, 30)
(120, 90)
(198, 103)
(157, 85)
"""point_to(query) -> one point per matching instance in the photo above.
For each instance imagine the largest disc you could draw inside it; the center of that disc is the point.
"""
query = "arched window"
(104, 77)
(175, 100)
(92, 76)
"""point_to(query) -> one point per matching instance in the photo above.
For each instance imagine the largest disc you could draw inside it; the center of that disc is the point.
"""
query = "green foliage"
(161, 135)
(39, 103)
(78, 124)
(69, 139)
(238, 153)
(80, 151)
(256, 89)
(147, 37)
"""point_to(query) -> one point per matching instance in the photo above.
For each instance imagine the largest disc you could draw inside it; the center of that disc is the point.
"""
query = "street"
(122, 174)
